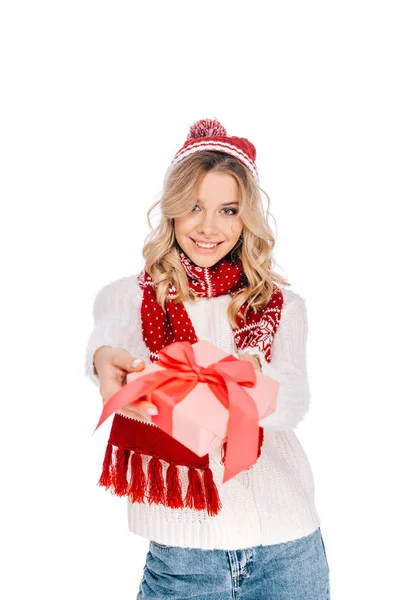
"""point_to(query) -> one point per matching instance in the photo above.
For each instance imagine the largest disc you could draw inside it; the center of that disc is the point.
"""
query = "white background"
(96, 99)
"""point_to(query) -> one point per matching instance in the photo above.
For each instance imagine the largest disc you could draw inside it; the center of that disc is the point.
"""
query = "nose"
(207, 223)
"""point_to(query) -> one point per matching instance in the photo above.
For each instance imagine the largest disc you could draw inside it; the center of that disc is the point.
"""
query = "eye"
(233, 210)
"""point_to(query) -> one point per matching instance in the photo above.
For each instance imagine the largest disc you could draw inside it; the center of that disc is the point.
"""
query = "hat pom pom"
(206, 128)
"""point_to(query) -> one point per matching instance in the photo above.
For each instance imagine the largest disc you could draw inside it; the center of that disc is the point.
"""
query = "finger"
(124, 360)
(251, 358)
(134, 414)
(145, 407)
(133, 411)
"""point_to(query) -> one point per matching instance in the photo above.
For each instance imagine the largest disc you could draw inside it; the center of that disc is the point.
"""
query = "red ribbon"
(224, 378)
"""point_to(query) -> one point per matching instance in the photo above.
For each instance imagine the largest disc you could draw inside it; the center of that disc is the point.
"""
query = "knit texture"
(272, 502)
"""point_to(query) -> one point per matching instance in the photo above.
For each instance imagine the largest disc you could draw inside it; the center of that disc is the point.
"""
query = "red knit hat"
(209, 134)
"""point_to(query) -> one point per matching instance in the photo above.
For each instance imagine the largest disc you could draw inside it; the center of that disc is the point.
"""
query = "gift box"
(204, 397)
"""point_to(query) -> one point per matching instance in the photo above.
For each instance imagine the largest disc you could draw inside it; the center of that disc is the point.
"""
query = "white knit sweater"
(270, 503)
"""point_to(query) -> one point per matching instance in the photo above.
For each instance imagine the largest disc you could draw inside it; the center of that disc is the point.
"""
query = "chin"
(204, 262)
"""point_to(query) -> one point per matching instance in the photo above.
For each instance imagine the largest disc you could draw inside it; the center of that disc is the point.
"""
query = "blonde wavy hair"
(254, 247)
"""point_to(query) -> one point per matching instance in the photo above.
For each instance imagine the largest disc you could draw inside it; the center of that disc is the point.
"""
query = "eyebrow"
(224, 204)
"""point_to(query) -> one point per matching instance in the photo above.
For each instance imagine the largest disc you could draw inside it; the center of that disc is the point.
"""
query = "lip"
(206, 250)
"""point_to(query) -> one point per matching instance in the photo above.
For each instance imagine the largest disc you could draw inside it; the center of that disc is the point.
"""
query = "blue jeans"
(296, 570)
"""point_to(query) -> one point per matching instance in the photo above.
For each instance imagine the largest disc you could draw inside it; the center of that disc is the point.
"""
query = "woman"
(208, 276)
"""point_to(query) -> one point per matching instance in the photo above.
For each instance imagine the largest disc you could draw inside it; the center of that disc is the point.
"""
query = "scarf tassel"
(212, 497)
(174, 488)
(195, 497)
(119, 473)
(156, 481)
(201, 493)
(137, 486)
(106, 474)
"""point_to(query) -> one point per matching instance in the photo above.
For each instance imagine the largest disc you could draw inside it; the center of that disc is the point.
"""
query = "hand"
(252, 358)
(112, 365)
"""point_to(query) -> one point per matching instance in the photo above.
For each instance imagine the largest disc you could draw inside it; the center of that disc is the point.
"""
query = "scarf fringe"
(195, 495)
(212, 497)
(174, 488)
(120, 471)
(201, 494)
(156, 481)
(137, 486)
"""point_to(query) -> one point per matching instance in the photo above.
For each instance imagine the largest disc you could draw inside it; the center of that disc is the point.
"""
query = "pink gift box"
(200, 420)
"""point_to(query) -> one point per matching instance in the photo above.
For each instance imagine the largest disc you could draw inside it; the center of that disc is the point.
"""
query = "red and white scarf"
(129, 439)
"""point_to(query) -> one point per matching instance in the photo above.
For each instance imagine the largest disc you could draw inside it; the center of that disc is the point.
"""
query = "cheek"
(237, 227)
(182, 224)
(179, 227)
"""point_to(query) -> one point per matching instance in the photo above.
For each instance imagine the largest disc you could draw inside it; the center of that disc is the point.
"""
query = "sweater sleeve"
(117, 322)
(288, 366)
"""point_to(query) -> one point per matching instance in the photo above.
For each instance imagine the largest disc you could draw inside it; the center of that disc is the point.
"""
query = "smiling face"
(213, 220)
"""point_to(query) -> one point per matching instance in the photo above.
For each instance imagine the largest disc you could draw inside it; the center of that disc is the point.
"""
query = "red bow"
(224, 379)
